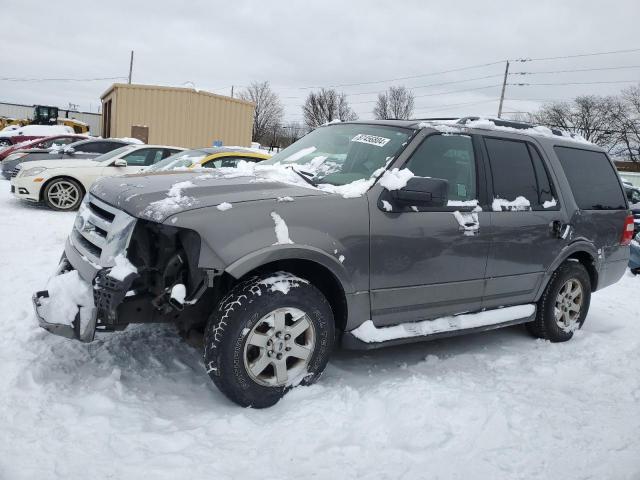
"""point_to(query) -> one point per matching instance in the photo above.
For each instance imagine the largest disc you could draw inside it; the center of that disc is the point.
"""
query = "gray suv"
(363, 234)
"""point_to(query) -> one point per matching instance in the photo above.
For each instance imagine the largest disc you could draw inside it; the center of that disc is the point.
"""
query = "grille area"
(101, 232)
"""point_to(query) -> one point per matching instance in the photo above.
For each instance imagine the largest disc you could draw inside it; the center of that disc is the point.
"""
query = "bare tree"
(325, 106)
(593, 117)
(291, 132)
(394, 104)
(268, 109)
(628, 125)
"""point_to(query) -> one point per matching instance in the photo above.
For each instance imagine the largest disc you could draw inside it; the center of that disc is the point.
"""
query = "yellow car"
(214, 157)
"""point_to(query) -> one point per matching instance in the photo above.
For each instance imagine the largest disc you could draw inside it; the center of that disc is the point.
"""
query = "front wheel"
(63, 194)
(564, 304)
(268, 335)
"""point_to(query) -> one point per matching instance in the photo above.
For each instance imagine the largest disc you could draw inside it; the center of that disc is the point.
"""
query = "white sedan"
(61, 184)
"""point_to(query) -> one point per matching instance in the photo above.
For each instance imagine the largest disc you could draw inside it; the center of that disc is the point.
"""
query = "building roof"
(194, 91)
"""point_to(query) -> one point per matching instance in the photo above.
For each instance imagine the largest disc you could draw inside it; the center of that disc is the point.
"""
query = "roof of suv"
(450, 125)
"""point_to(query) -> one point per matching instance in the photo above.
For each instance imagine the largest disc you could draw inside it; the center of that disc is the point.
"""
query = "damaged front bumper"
(108, 293)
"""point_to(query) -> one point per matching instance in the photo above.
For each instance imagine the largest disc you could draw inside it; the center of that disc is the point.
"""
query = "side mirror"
(120, 163)
(422, 192)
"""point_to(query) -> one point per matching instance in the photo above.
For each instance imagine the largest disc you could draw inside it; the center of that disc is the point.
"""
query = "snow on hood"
(156, 196)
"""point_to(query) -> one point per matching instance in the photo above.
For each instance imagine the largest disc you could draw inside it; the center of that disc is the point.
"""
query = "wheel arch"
(58, 177)
(324, 272)
(581, 251)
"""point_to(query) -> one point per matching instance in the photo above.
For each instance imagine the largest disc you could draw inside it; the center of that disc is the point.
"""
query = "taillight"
(627, 233)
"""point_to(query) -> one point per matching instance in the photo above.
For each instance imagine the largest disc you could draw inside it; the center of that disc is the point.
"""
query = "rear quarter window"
(592, 178)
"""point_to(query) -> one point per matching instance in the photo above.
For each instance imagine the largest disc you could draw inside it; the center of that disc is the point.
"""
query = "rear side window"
(594, 182)
(518, 171)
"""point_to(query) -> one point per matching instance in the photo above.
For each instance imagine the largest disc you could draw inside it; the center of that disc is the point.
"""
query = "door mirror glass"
(422, 192)
(120, 163)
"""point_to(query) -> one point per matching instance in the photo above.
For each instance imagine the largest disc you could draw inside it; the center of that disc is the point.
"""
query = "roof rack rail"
(434, 119)
(509, 123)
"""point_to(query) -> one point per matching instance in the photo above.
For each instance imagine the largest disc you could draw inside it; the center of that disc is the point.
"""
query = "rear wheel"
(268, 335)
(63, 194)
(564, 304)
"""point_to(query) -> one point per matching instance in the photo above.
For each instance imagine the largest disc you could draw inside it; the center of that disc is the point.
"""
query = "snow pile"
(368, 332)
(396, 179)
(520, 204)
(38, 131)
(285, 199)
(281, 229)
(468, 221)
(179, 293)
(131, 140)
(282, 282)
(174, 202)
(386, 206)
(462, 203)
(67, 292)
(224, 206)
(488, 124)
(123, 267)
(549, 203)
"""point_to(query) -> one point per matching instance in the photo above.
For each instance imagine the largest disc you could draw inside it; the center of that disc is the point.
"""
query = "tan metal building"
(184, 117)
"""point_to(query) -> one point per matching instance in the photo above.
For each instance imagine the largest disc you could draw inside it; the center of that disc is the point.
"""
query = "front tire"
(564, 304)
(268, 335)
(63, 194)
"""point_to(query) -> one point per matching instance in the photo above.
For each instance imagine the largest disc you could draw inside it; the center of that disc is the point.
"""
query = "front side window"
(343, 153)
(143, 157)
(450, 158)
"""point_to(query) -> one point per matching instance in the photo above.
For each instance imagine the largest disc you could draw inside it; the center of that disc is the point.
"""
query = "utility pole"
(504, 86)
(130, 67)
(231, 91)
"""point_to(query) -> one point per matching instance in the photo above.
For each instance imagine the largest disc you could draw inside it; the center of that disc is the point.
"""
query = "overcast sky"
(295, 45)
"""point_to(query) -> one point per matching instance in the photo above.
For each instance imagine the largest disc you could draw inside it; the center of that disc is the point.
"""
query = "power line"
(570, 83)
(576, 70)
(630, 50)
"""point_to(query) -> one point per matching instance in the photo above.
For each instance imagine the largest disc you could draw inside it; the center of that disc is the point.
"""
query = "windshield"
(343, 153)
(113, 153)
(178, 160)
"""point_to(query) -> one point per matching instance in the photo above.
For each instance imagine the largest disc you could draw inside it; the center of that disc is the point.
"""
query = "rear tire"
(63, 194)
(268, 335)
(564, 304)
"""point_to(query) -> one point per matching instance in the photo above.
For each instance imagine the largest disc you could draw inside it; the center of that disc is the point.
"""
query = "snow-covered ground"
(137, 404)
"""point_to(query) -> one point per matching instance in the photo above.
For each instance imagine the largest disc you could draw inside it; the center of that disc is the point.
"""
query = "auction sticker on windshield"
(371, 140)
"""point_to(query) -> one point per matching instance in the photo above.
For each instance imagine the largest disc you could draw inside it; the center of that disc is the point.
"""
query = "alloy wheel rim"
(279, 347)
(568, 305)
(63, 194)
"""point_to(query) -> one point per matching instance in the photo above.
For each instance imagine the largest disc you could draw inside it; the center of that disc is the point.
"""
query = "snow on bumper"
(74, 308)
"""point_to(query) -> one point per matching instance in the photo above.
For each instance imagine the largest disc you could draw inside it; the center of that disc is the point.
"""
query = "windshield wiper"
(304, 175)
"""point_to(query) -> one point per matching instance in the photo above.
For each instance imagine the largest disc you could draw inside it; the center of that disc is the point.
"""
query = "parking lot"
(491, 405)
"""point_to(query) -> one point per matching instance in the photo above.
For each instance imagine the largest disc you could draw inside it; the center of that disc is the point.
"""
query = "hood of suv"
(157, 196)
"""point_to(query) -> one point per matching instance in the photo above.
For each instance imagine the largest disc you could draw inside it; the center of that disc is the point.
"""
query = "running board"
(368, 336)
